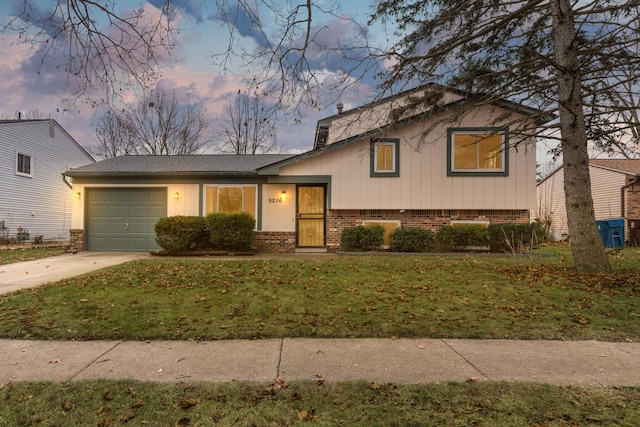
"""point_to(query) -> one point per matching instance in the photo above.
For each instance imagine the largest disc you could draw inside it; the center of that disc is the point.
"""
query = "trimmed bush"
(231, 231)
(361, 238)
(406, 239)
(181, 233)
(457, 238)
(516, 238)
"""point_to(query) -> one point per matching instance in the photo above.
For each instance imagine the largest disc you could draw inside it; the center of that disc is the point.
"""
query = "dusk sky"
(193, 74)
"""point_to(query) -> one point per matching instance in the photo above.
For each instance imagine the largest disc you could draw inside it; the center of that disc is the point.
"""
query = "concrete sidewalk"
(402, 361)
(29, 274)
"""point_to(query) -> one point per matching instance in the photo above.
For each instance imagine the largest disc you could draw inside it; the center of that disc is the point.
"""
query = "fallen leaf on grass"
(188, 403)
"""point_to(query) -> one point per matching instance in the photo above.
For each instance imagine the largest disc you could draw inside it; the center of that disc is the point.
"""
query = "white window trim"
(28, 175)
(502, 170)
(393, 157)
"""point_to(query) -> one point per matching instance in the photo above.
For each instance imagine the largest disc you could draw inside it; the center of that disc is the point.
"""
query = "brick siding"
(76, 240)
(275, 241)
(432, 220)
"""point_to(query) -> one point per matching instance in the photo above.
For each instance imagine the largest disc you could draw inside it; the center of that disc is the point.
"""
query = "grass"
(431, 297)
(27, 254)
(109, 403)
(344, 297)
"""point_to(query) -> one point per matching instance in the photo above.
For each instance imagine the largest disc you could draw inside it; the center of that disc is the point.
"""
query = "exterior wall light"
(176, 195)
(77, 195)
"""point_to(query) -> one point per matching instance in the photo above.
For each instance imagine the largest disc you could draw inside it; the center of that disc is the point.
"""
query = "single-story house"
(35, 202)
(373, 164)
(615, 188)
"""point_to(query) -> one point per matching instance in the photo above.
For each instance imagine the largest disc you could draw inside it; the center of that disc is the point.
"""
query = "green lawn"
(124, 403)
(10, 256)
(406, 296)
(434, 297)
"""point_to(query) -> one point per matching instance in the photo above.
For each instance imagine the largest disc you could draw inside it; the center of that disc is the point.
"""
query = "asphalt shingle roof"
(631, 166)
(201, 164)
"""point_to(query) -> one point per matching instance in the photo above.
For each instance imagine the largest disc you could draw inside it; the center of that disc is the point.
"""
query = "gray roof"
(201, 164)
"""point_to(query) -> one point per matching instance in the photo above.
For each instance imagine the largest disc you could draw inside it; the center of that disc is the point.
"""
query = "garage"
(123, 218)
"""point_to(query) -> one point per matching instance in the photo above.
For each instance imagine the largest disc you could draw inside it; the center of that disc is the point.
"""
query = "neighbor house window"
(384, 157)
(230, 199)
(23, 164)
(477, 152)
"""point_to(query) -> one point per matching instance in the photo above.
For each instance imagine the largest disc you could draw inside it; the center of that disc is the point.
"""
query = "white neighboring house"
(34, 196)
(615, 188)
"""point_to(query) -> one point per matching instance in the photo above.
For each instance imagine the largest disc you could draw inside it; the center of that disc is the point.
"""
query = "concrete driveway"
(30, 274)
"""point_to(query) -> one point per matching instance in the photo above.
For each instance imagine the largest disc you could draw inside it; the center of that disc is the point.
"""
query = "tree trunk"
(588, 251)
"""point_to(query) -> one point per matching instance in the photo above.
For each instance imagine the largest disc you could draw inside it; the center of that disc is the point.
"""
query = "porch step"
(311, 250)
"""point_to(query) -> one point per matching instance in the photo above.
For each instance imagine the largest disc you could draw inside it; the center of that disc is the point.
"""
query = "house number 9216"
(275, 200)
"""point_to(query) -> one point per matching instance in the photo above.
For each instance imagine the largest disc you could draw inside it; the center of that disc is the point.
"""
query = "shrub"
(411, 240)
(516, 238)
(231, 231)
(457, 238)
(181, 233)
(361, 238)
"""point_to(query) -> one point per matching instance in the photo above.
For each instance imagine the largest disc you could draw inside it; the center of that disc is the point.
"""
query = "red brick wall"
(275, 241)
(632, 197)
(76, 237)
(337, 220)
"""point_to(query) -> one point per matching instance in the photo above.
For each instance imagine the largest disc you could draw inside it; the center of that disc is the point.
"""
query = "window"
(23, 165)
(384, 157)
(230, 199)
(477, 152)
(389, 227)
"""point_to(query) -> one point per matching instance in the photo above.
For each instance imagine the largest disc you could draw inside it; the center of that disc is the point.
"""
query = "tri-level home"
(392, 162)
(35, 201)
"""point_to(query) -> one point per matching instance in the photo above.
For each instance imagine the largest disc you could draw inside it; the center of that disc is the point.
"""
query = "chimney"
(19, 115)
(340, 107)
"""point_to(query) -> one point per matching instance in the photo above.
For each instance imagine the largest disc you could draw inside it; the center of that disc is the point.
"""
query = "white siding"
(41, 203)
(423, 182)
(605, 190)
(550, 203)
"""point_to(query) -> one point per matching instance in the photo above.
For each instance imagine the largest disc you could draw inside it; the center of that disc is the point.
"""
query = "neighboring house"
(615, 188)
(34, 197)
(365, 167)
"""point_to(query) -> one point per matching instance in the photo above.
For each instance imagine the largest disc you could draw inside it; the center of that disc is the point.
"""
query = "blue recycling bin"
(611, 232)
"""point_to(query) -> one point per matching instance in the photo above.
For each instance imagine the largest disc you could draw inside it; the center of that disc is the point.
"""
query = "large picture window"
(231, 199)
(23, 164)
(384, 157)
(477, 152)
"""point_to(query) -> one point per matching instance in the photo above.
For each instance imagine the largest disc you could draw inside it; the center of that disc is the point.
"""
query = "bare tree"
(115, 136)
(247, 125)
(156, 125)
(301, 63)
(101, 51)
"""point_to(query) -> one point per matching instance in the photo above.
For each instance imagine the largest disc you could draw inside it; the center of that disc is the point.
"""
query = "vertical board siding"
(423, 182)
(41, 203)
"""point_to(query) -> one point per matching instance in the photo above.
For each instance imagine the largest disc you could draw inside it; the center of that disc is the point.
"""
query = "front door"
(311, 216)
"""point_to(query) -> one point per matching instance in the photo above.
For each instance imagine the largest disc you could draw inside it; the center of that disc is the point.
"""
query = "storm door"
(311, 216)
